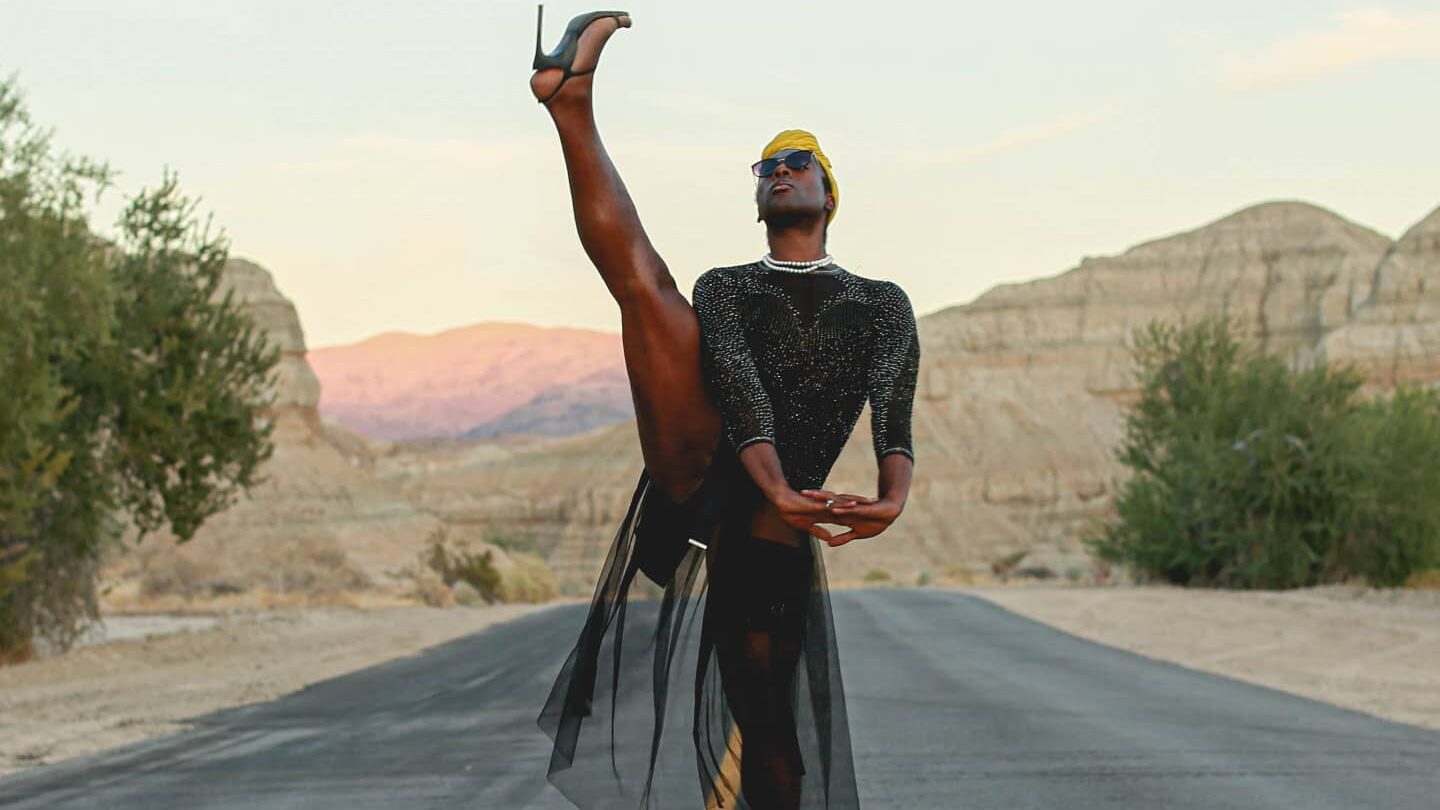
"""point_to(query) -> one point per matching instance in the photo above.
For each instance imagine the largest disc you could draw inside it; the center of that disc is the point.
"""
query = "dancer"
(743, 402)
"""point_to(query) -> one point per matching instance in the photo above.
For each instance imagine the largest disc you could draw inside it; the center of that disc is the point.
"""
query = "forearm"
(762, 462)
(895, 472)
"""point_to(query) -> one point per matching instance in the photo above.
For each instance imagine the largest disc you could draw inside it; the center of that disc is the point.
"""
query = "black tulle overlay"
(744, 626)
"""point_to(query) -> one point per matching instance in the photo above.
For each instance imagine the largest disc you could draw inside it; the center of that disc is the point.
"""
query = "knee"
(643, 294)
(678, 486)
(684, 470)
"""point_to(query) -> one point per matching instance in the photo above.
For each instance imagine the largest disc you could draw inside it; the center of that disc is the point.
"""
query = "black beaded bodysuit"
(788, 358)
(791, 357)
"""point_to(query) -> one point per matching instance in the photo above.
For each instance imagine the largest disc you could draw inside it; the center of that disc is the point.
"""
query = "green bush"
(877, 575)
(1245, 473)
(131, 391)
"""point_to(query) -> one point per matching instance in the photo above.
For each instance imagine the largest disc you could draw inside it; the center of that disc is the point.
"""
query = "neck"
(796, 241)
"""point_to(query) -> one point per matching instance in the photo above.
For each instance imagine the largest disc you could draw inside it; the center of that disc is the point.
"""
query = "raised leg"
(677, 422)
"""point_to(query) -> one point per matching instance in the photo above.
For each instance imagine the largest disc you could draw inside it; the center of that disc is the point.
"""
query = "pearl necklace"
(796, 267)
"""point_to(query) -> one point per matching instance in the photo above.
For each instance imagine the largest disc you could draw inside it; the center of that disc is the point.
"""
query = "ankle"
(573, 94)
(571, 103)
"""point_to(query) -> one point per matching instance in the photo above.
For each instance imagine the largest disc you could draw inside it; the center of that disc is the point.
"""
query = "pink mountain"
(485, 379)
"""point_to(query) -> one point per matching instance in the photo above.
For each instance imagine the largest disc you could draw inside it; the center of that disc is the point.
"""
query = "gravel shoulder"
(154, 675)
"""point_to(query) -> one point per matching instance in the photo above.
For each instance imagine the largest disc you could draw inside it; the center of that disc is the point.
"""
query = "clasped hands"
(865, 516)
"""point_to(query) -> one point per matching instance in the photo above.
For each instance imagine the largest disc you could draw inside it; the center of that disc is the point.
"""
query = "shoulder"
(732, 270)
(883, 292)
(723, 276)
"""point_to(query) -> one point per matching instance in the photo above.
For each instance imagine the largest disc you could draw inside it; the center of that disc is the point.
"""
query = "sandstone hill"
(488, 379)
(320, 520)
(1020, 397)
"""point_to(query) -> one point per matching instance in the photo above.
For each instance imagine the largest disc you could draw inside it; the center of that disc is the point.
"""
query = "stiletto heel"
(563, 56)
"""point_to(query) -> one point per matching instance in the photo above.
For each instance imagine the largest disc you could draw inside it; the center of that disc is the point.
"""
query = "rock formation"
(319, 499)
(297, 391)
(1395, 336)
(1021, 394)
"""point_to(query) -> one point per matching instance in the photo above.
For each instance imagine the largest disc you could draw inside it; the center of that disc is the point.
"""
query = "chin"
(786, 212)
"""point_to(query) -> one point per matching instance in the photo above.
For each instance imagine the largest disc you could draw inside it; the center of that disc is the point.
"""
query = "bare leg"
(677, 422)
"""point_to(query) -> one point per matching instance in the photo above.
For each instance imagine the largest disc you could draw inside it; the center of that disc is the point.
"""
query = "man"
(743, 402)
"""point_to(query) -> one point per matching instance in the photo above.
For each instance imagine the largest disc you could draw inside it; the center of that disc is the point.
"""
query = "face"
(792, 193)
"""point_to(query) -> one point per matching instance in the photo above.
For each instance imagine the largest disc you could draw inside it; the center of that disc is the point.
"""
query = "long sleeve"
(727, 363)
(894, 367)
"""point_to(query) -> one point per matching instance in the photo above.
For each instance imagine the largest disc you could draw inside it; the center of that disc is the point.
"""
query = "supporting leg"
(758, 645)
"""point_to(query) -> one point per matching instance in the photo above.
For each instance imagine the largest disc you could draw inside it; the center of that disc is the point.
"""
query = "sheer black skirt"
(745, 624)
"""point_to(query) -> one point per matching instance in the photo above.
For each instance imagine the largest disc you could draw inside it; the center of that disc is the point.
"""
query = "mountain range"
(488, 379)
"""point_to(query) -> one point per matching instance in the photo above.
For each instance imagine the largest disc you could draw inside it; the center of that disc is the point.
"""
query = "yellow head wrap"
(800, 139)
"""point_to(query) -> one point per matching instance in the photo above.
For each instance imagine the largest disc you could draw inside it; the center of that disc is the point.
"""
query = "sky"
(387, 163)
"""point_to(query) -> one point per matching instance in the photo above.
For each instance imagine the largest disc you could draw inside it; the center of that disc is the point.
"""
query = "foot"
(592, 41)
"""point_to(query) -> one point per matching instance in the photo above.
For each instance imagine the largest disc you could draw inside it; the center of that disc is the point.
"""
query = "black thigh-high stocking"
(758, 657)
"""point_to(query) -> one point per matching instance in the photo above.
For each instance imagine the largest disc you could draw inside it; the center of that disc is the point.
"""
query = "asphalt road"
(954, 703)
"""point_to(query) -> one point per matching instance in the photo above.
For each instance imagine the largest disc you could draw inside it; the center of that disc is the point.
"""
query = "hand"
(803, 513)
(865, 516)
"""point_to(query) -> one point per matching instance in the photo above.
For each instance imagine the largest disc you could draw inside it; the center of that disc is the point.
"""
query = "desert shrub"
(430, 590)
(466, 595)
(1006, 565)
(923, 578)
(529, 579)
(452, 561)
(1246, 473)
(877, 575)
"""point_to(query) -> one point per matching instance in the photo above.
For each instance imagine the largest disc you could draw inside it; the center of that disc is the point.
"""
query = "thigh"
(678, 424)
(762, 589)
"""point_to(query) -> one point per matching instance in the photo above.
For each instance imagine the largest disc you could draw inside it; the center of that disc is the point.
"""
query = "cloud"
(1356, 38)
(1023, 137)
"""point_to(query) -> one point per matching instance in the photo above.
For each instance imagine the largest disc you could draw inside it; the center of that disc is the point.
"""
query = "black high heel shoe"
(564, 54)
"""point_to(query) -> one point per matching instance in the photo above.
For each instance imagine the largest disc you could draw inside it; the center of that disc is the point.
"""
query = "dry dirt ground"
(1371, 650)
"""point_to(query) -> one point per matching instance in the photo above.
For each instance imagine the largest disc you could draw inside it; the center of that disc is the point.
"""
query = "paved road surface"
(954, 703)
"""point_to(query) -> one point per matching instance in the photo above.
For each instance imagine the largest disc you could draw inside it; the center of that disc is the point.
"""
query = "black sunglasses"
(795, 160)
